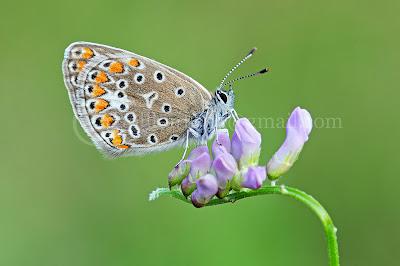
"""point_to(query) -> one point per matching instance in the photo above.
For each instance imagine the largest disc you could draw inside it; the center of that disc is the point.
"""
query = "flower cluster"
(234, 163)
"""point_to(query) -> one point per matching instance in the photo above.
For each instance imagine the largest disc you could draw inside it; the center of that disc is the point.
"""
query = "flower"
(253, 177)
(179, 172)
(225, 167)
(222, 143)
(246, 141)
(298, 128)
(207, 187)
(188, 186)
(200, 162)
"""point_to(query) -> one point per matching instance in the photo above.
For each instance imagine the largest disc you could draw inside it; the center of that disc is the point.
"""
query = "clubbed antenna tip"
(237, 65)
(262, 71)
(252, 51)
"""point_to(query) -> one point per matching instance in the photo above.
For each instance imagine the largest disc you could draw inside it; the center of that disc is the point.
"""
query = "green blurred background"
(62, 203)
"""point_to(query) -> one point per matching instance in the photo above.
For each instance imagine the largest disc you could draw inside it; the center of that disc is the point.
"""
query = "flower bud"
(298, 128)
(254, 177)
(222, 143)
(179, 172)
(246, 141)
(188, 186)
(225, 167)
(207, 187)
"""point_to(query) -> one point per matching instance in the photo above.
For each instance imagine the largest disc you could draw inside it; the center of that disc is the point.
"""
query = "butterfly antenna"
(237, 65)
(262, 71)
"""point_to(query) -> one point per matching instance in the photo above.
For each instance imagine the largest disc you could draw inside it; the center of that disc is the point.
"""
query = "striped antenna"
(237, 65)
(262, 71)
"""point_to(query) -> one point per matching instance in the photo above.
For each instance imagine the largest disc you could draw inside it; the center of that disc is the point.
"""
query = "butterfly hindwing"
(129, 104)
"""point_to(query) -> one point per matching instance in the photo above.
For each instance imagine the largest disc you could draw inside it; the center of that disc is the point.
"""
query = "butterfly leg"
(234, 115)
(186, 148)
(216, 129)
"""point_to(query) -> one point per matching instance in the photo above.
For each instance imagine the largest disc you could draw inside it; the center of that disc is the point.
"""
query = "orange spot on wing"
(107, 120)
(117, 140)
(123, 146)
(134, 63)
(100, 105)
(98, 91)
(116, 67)
(101, 77)
(81, 65)
(87, 53)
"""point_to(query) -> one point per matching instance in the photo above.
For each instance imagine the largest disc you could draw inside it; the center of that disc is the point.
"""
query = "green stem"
(309, 201)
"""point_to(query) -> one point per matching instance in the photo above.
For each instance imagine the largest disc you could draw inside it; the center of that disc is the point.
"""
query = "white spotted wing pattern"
(129, 104)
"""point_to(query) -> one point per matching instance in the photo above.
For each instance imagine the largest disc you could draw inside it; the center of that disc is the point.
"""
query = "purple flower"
(246, 141)
(196, 152)
(254, 177)
(207, 187)
(178, 173)
(298, 128)
(222, 143)
(200, 162)
(225, 167)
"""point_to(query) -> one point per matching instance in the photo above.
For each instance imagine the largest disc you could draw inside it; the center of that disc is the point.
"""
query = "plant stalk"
(309, 201)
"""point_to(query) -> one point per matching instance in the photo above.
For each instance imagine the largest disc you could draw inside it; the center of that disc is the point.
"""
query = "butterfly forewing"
(127, 103)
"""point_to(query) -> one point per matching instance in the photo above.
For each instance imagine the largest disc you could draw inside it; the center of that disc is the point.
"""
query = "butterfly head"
(225, 98)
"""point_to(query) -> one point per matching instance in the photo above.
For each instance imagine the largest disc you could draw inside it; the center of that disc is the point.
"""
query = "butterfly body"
(204, 125)
(129, 104)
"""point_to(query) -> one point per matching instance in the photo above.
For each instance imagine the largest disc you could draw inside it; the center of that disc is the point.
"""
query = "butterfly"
(131, 105)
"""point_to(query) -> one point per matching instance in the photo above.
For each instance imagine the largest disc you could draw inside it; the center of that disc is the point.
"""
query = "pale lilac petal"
(225, 168)
(254, 177)
(201, 165)
(196, 152)
(207, 187)
(246, 142)
(298, 129)
(222, 143)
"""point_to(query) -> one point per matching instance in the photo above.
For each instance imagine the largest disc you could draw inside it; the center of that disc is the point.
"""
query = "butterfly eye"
(139, 78)
(222, 96)
(159, 76)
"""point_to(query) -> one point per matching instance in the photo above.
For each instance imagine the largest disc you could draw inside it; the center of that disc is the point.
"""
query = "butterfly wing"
(129, 104)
